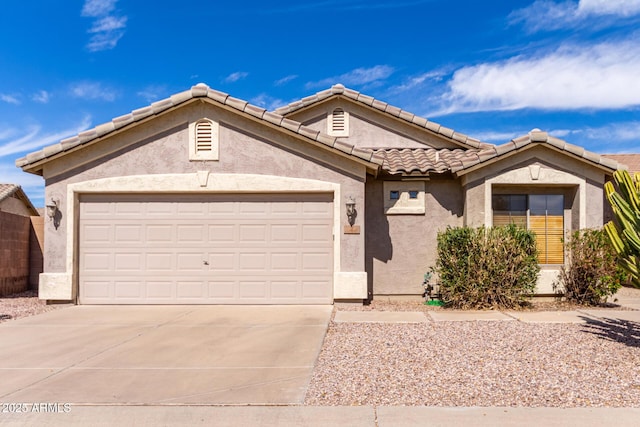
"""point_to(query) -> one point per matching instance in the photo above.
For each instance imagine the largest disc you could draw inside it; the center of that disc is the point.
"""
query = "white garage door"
(213, 249)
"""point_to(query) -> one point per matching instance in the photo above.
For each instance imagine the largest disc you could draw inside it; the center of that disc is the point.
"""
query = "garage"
(205, 249)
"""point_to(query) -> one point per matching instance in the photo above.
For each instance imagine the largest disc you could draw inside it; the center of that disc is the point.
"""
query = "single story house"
(202, 198)
(21, 241)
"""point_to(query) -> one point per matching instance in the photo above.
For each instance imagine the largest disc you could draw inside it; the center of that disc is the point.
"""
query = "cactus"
(624, 233)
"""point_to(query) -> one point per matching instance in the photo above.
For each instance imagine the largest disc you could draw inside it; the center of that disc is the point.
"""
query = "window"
(541, 213)
(203, 140)
(338, 123)
(404, 197)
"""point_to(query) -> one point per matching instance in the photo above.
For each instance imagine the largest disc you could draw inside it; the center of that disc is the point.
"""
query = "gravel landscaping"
(480, 363)
(22, 305)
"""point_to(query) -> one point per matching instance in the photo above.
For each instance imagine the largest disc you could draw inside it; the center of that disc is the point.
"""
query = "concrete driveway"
(162, 354)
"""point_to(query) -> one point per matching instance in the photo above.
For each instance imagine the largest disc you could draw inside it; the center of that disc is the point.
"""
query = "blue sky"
(492, 70)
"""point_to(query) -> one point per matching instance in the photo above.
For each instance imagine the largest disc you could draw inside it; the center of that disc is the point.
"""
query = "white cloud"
(107, 28)
(31, 184)
(552, 15)
(96, 8)
(265, 101)
(93, 91)
(9, 99)
(609, 7)
(285, 80)
(234, 77)
(41, 97)
(35, 139)
(357, 77)
(108, 24)
(602, 76)
(497, 137)
(152, 93)
(614, 133)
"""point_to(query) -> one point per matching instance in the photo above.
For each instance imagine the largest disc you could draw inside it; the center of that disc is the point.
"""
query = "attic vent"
(203, 140)
(204, 136)
(338, 123)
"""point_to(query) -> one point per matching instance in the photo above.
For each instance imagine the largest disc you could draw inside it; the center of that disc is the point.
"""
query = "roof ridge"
(200, 90)
(369, 101)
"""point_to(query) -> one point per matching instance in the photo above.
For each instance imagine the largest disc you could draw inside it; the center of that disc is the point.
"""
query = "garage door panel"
(159, 233)
(191, 289)
(99, 234)
(129, 261)
(253, 289)
(222, 290)
(253, 233)
(222, 233)
(240, 249)
(97, 261)
(127, 289)
(315, 232)
(222, 262)
(283, 261)
(187, 262)
(252, 261)
(128, 233)
(160, 290)
(159, 262)
(317, 289)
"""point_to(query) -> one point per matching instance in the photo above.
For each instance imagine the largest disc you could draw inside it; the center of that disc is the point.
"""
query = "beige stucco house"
(203, 198)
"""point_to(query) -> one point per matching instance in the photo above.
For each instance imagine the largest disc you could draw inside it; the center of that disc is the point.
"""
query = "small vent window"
(204, 137)
(203, 140)
(338, 123)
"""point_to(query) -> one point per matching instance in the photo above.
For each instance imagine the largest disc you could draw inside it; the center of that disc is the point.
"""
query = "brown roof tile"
(339, 89)
(201, 91)
(631, 161)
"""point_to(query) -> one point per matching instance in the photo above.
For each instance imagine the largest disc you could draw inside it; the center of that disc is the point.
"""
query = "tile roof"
(9, 190)
(631, 161)
(409, 161)
(198, 91)
(429, 160)
(6, 190)
(340, 90)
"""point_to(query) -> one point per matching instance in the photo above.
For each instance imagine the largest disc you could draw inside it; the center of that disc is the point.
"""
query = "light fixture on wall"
(53, 212)
(351, 210)
(53, 208)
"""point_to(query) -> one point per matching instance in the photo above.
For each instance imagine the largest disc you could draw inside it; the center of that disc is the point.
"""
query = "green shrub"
(486, 267)
(592, 273)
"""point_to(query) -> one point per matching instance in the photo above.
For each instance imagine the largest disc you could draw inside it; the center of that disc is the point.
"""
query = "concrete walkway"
(312, 416)
(573, 316)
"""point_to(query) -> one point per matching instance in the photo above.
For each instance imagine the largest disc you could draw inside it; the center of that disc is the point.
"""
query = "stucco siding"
(161, 147)
(14, 206)
(401, 248)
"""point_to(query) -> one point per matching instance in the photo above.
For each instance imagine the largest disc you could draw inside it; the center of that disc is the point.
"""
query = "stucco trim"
(350, 285)
(344, 285)
(56, 287)
(546, 177)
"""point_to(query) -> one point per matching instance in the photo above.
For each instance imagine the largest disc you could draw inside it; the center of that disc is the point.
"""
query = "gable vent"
(338, 123)
(204, 136)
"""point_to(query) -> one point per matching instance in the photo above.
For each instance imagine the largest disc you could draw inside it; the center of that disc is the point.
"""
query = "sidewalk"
(582, 315)
(573, 316)
(301, 416)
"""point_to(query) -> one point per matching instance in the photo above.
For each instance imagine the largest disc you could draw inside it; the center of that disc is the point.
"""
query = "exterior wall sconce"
(53, 212)
(352, 213)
